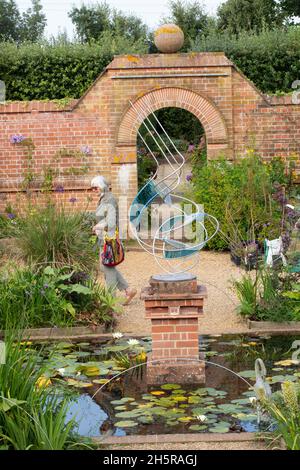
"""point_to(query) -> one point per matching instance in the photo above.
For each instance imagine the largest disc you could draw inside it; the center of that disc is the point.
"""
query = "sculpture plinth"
(174, 305)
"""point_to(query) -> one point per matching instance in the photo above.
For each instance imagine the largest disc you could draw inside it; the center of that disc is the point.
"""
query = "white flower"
(252, 400)
(133, 342)
(290, 206)
(117, 335)
(202, 418)
(61, 371)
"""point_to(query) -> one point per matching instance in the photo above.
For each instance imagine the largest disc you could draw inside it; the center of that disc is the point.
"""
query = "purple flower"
(17, 138)
(59, 189)
(73, 200)
(189, 177)
(191, 148)
(46, 286)
(86, 149)
(11, 216)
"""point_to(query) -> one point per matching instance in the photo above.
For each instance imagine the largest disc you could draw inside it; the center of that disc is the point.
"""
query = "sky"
(150, 11)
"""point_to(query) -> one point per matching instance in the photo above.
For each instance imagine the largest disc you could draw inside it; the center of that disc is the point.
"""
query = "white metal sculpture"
(170, 252)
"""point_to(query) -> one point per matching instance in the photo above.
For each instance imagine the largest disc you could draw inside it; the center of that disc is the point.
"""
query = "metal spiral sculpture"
(169, 253)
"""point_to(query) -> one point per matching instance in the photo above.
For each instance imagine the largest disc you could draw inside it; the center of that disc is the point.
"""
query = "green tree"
(18, 27)
(9, 20)
(33, 22)
(190, 17)
(249, 15)
(92, 21)
(129, 26)
(291, 7)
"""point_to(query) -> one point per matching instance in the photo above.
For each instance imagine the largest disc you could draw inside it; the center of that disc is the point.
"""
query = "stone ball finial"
(169, 38)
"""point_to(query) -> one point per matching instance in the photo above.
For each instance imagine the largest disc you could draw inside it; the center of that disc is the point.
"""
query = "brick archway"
(202, 107)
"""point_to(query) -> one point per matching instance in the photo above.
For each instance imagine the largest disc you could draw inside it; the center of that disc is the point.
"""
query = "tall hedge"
(43, 71)
(271, 59)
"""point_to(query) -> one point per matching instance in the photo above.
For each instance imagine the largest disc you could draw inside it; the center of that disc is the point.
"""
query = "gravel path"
(215, 271)
(195, 446)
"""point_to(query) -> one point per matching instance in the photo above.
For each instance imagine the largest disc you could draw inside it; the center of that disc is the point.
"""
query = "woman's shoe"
(129, 296)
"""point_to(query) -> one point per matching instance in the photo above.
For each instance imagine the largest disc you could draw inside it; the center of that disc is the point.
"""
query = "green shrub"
(54, 297)
(54, 236)
(269, 295)
(240, 196)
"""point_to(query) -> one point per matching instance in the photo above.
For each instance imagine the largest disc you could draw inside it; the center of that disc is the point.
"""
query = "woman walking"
(107, 216)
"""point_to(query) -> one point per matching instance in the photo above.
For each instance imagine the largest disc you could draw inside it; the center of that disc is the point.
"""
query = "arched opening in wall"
(185, 131)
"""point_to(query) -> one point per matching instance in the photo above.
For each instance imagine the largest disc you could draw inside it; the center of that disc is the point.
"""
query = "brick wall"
(234, 113)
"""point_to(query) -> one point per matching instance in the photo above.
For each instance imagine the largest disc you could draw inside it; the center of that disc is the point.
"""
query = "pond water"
(105, 400)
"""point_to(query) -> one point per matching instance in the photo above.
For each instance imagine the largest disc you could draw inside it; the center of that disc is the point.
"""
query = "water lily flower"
(133, 342)
(117, 335)
(202, 418)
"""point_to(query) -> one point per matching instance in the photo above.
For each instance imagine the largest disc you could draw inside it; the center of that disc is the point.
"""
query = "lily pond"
(105, 400)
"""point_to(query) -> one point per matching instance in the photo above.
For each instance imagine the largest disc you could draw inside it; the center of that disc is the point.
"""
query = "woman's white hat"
(99, 182)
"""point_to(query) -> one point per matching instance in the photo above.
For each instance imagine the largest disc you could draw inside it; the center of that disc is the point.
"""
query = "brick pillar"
(174, 305)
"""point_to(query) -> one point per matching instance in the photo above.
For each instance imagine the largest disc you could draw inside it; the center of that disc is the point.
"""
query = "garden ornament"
(168, 249)
(262, 388)
(274, 248)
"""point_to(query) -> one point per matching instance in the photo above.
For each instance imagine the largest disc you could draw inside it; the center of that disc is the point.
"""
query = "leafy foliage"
(270, 59)
(285, 410)
(249, 15)
(53, 297)
(51, 71)
(51, 235)
(92, 20)
(270, 295)
(31, 416)
(240, 196)
(190, 17)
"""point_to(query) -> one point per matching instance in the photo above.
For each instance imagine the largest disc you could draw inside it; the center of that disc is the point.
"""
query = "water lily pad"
(195, 400)
(197, 427)
(129, 414)
(78, 383)
(126, 424)
(147, 419)
(229, 408)
(121, 408)
(186, 419)
(241, 401)
(100, 381)
(157, 393)
(170, 387)
(281, 378)
(179, 398)
(122, 401)
(222, 427)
